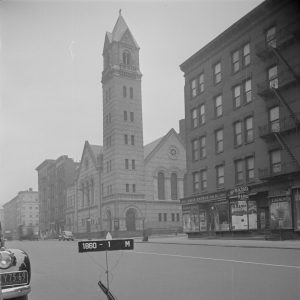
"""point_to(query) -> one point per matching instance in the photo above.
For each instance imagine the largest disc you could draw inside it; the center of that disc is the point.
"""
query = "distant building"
(22, 210)
(242, 116)
(54, 177)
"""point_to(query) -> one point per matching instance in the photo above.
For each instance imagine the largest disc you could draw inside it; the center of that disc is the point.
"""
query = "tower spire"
(120, 12)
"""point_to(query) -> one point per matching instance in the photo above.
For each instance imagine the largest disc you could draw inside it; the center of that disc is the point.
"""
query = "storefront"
(242, 210)
(280, 209)
(296, 201)
(205, 213)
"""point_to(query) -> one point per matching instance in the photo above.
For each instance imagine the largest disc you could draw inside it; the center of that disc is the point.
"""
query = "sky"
(51, 64)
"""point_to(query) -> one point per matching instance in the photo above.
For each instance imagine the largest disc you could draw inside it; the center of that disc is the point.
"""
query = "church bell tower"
(123, 152)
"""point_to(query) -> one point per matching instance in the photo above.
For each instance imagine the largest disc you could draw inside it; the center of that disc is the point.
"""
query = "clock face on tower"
(173, 152)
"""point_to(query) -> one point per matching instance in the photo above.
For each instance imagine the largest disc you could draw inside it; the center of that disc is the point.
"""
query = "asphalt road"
(163, 272)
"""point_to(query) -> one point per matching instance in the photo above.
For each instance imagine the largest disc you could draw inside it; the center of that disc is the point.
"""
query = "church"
(124, 186)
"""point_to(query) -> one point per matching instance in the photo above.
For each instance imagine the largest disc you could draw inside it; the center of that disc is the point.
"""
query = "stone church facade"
(124, 186)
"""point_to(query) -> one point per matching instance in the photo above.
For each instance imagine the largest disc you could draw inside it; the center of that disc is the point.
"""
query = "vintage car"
(15, 272)
(66, 236)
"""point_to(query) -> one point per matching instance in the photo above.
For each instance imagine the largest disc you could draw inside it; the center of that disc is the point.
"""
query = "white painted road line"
(217, 259)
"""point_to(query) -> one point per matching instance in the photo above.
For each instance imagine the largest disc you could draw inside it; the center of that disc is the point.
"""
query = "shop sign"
(280, 199)
(279, 193)
(240, 190)
(204, 198)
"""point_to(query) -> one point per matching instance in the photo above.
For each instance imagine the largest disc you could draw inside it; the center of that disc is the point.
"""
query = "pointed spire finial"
(120, 12)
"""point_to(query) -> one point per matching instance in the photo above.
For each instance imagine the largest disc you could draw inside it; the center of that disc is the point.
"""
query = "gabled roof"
(93, 150)
(153, 147)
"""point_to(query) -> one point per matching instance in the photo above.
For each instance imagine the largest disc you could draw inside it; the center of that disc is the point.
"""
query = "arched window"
(126, 58)
(130, 219)
(161, 186)
(174, 194)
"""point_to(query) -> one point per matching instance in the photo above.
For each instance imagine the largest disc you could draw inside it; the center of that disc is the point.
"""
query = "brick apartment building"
(242, 114)
(54, 177)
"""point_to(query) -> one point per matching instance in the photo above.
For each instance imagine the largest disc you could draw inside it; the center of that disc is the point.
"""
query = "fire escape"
(276, 90)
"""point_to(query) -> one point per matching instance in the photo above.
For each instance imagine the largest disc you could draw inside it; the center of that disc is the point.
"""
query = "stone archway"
(131, 219)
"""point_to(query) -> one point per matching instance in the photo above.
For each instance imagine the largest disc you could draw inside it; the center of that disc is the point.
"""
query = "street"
(162, 271)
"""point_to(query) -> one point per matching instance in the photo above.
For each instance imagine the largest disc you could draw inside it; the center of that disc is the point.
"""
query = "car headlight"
(6, 259)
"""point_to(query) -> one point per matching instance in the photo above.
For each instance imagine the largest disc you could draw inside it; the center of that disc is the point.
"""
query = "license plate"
(14, 278)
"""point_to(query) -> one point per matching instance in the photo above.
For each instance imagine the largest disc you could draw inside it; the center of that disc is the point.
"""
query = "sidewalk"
(249, 243)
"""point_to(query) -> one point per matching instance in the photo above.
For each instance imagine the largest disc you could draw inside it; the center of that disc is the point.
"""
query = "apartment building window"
(201, 83)
(237, 133)
(173, 217)
(195, 150)
(194, 118)
(248, 91)
(246, 55)
(249, 131)
(239, 176)
(273, 77)
(132, 139)
(177, 217)
(165, 217)
(131, 116)
(125, 139)
(250, 168)
(202, 146)
(127, 187)
(219, 140)
(133, 188)
(194, 88)
(202, 114)
(124, 92)
(133, 164)
(126, 163)
(161, 185)
(217, 73)
(159, 217)
(275, 157)
(196, 182)
(220, 176)
(235, 61)
(218, 106)
(131, 93)
(274, 119)
(125, 115)
(271, 37)
(203, 179)
(237, 96)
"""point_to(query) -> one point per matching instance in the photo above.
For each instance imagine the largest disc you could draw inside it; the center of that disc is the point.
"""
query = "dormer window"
(126, 58)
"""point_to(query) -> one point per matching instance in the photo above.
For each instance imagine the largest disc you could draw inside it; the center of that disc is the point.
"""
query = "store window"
(281, 213)
(296, 198)
(221, 215)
